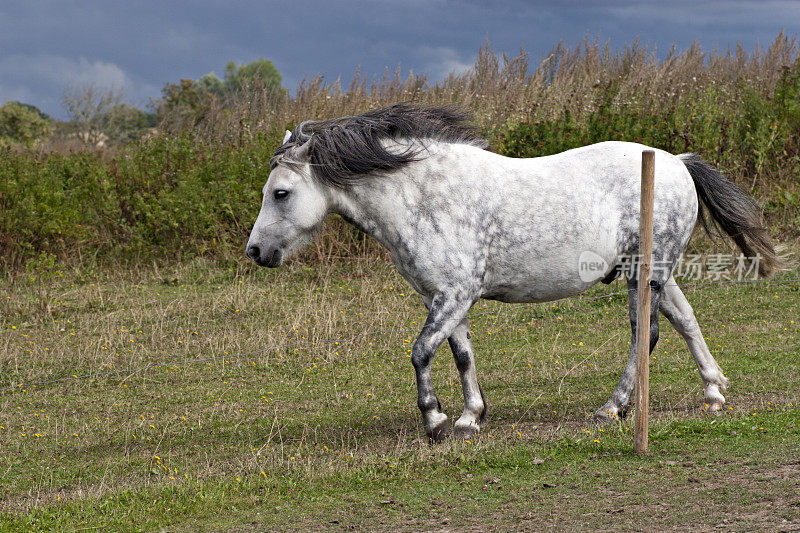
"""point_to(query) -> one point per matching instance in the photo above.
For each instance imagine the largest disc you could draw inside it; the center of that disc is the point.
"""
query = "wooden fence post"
(643, 307)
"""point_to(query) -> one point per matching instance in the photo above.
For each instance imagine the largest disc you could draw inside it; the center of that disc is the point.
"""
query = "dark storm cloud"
(139, 46)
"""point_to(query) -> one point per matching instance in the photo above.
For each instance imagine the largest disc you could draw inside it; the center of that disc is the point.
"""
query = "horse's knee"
(420, 358)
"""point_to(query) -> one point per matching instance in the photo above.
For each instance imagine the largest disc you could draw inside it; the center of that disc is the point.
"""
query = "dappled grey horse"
(463, 223)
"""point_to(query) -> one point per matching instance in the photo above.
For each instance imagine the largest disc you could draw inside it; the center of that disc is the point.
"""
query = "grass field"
(317, 425)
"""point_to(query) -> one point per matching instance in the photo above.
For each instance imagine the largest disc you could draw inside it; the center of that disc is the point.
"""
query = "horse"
(462, 223)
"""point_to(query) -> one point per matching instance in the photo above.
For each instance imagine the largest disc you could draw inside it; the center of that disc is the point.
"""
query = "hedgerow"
(194, 188)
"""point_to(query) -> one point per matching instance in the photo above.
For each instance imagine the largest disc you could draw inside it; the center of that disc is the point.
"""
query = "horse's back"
(553, 211)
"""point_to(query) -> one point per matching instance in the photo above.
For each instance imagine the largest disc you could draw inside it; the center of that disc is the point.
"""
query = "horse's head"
(293, 209)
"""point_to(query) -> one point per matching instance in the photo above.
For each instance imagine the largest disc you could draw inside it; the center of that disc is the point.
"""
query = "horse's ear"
(301, 153)
(287, 136)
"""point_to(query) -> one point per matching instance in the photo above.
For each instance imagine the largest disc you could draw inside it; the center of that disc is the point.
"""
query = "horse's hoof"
(714, 406)
(465, 431)
(606, 414)
(439, 432)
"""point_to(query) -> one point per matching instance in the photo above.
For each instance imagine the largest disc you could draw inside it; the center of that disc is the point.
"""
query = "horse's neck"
(377, 209)
(387, 207)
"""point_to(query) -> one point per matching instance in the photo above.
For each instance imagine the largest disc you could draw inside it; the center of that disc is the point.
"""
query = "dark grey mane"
(344, 149)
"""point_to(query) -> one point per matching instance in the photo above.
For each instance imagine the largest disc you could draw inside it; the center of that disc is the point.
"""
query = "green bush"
(165, 197)
(197, 193)
(176, 196)
(22, 124)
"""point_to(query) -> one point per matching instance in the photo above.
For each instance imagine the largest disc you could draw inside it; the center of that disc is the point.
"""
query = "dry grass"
(503, 89)
(324, 390)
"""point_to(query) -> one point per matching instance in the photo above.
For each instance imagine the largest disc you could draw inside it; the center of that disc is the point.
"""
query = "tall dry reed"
(503, 89)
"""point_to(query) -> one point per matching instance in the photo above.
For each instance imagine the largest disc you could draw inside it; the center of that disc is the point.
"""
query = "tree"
(187, 104)
(262, 70)
(36, 110)
(182, 105)
(86, 106)
(123, 123)
(210, 84)
(23, 124)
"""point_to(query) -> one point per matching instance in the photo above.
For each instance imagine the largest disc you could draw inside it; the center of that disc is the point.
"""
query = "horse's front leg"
(445, 313)
(474, 402)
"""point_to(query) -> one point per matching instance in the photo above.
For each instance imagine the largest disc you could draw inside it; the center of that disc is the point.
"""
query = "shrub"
(22, 124)
(195, 190)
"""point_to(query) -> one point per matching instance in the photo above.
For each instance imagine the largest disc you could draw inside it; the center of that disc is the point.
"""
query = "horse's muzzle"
(271, 258)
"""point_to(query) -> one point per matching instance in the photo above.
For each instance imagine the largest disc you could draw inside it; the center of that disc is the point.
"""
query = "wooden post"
(643, 307)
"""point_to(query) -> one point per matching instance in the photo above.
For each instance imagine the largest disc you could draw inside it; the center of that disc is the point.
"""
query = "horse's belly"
(550, 266)
(537, 285)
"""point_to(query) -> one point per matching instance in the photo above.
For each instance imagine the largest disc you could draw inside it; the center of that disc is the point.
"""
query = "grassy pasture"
(224, 397)
(317, 426)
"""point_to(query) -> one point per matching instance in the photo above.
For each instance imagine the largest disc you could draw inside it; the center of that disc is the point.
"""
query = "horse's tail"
(736, 212)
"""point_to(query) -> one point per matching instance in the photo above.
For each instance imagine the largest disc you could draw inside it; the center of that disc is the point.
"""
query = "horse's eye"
(280, 194)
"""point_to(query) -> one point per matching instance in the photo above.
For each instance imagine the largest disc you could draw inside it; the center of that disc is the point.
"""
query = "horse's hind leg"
(474, 403)
(680, 314)
(617, 405)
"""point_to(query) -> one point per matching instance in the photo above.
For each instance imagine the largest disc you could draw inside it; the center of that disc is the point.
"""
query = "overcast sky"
(138, 46)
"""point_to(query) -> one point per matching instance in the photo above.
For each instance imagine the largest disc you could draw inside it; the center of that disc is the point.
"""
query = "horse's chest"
(440, 261)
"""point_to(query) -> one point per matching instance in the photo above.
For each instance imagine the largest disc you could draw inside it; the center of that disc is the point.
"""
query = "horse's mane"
(342, 150)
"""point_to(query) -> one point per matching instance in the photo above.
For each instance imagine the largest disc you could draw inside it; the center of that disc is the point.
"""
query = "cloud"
(439, 61)
(41, 79)
(16, 92)
(49, 69)
(716, 15)
(183, 38)
(48, 44)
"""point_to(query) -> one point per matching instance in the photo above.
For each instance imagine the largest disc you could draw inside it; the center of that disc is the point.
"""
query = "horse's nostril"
(253, 252)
